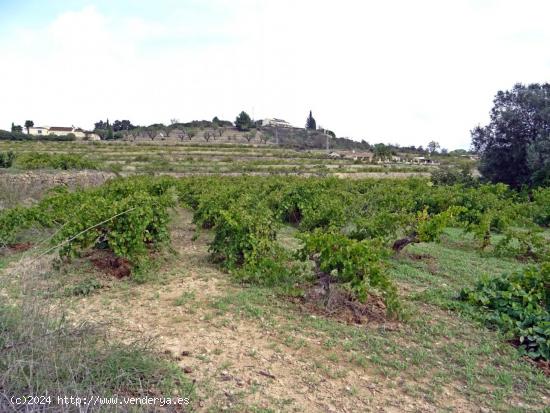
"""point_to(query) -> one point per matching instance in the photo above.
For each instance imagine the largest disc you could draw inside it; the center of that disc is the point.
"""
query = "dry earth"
(248, 359)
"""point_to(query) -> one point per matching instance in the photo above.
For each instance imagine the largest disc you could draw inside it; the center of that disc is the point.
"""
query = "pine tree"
(310, 122)
(243, 122)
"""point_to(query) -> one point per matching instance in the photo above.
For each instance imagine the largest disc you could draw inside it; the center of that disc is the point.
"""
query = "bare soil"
(107, 262)
(331, 300)
(245, 363)
(20, 246)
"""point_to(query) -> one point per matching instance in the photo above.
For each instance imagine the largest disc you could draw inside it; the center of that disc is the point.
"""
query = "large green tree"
(433, 146)
(382, 151)
(515, 146)
(122, 125)
(243, 122)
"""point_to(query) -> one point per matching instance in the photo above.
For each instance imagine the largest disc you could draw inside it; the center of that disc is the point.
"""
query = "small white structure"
(424, 161)
(471, 157)
(276, 122)
(79, 133)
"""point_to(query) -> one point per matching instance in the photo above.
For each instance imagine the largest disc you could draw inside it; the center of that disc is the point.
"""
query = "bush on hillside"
(448, 175)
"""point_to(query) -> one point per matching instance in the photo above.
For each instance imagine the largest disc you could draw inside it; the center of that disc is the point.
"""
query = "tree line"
(514, 147)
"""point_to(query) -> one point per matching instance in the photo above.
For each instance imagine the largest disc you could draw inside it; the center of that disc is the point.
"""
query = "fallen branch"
(403, 242)
(266, 374)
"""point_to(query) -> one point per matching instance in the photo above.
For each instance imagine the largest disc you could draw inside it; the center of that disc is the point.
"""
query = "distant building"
(358, 155)
(276, 122)
(79, 133)
(424, 161)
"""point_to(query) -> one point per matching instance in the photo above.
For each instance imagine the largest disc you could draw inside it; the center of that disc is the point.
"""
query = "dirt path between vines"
(242, 360)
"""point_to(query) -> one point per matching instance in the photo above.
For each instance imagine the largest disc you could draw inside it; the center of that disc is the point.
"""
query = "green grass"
(42, 354)
(439, 346)
(445, 268)
(185, 298)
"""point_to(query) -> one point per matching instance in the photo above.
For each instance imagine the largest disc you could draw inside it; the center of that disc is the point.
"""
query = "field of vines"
(345, 231)
(181, 159)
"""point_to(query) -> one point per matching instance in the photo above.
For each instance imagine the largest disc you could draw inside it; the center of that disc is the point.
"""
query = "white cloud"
(394, 71)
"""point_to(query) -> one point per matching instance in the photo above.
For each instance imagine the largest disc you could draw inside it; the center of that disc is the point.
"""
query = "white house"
(79, 133)
(424, 161)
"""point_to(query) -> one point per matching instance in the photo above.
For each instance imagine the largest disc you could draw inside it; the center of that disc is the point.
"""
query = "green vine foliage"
(429, 228)
(519, 304)
(244, 242)
(36, 160)
(383, 225)
(524, 243)
(128, 216)
(346, 227)
(243, 236)
(358, 265)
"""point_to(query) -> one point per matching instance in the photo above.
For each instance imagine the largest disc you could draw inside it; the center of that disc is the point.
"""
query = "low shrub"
(382, 224)
(243, 234)
(127, 216)
(356, 265)
(312, 207)
(6, 159)
(523, 244)
(14, 136)
(36, 160)
(518, 304)
(84, 287)
(55, 138)
(541, 206)
(278, 269)
(451, 175)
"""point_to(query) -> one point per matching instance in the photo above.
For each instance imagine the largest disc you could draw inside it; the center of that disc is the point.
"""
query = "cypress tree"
(310, 122)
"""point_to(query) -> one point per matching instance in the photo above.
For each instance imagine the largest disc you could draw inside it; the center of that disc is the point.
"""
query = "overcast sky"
(394, 71)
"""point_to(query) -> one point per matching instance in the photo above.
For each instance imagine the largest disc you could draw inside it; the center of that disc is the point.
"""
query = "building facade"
(79, 133)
